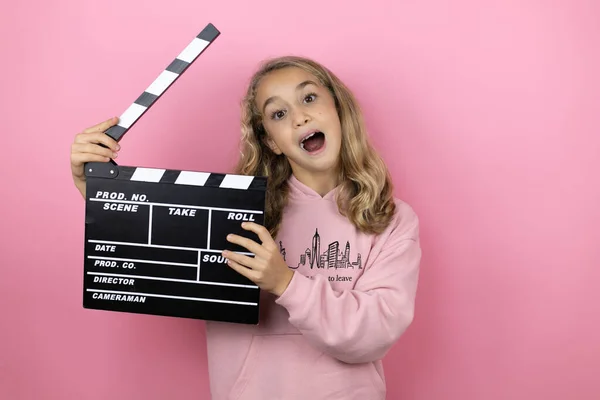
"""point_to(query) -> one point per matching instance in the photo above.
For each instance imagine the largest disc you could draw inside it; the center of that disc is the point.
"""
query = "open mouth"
(313, 142)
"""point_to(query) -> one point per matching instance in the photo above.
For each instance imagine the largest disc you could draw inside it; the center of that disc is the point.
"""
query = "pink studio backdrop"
(487, 113)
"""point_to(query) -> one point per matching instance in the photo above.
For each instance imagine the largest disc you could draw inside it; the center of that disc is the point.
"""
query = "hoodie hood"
(300, 191)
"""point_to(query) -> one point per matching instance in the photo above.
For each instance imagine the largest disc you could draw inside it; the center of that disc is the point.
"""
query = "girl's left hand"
(267, 268)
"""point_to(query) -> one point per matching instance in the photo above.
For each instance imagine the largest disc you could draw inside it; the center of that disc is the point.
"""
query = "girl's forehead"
(284, 82)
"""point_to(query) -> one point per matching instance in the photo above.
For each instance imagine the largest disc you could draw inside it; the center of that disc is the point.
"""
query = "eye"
(309, 98)
(278, 114)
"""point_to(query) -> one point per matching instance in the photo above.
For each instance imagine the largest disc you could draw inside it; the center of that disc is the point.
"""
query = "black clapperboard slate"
(154, 237)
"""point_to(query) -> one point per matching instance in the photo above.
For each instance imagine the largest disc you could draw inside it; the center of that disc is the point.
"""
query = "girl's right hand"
(87, 148)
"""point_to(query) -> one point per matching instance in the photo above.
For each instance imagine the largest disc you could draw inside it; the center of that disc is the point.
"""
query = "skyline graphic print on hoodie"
(331, 257)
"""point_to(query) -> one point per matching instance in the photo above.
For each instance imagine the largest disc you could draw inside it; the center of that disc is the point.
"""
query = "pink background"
(486, 111)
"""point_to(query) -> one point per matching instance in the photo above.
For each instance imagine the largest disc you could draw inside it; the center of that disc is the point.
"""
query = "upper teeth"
(309, 136)
(306, 138)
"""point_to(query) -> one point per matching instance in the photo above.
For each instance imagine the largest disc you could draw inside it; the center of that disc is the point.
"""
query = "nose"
(300, 118)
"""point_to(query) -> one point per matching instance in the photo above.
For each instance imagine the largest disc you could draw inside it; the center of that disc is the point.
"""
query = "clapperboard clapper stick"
(154, 237)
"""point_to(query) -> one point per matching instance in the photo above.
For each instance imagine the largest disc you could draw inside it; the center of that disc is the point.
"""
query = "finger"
(261, 231)
(92, 149)
(102, 126)
(248, 273)
(248, 262)
(247, 243)
(97, 138)
(79, 159)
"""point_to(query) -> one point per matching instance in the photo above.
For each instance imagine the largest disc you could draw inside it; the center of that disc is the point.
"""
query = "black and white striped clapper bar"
(154, 237)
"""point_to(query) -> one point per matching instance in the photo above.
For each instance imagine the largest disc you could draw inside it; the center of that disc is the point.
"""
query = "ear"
(272, 145)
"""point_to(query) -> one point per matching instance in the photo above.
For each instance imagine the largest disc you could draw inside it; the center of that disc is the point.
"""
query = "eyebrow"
(300, 86)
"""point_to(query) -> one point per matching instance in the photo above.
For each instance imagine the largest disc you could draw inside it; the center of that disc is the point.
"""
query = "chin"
(327, 163)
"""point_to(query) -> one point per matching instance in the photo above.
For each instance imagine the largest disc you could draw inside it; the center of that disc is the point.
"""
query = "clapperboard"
(154, 237)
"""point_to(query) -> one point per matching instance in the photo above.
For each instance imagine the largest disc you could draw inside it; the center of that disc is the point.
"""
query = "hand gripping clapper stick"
(154, 237)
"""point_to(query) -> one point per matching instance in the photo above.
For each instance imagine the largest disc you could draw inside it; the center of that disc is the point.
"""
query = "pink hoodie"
(351, 298)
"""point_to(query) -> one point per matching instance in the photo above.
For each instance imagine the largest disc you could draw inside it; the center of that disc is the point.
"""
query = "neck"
(322, 182)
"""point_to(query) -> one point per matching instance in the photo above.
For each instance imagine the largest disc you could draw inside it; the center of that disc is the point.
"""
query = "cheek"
(271, 129)
(275, 134)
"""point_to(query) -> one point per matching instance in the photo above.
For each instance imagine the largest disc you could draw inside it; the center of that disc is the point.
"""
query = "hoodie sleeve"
(362, 324)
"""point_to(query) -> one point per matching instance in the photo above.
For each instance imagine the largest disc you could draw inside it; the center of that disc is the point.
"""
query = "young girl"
(338, 257)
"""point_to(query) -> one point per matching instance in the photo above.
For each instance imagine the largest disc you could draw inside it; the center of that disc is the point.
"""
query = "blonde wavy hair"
(366, 191)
